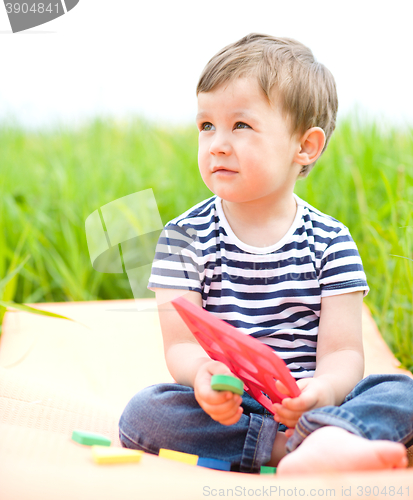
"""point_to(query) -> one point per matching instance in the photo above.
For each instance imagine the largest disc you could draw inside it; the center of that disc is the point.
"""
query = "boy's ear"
(312, 144)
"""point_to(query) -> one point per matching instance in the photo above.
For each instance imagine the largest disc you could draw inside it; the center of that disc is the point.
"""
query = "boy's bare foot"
(331, 449)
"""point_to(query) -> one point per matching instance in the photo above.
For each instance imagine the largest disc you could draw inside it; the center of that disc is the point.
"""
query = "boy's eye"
(241, 125)
(207, 126)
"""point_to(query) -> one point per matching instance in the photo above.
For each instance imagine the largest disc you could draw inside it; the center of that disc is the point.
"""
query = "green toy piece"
(227, 383)
(90, 438)
(268, 470)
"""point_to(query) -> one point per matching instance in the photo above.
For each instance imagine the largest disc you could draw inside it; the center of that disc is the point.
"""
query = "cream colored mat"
(56, 376)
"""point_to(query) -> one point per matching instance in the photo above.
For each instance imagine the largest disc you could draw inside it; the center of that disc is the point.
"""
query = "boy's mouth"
(223, 170)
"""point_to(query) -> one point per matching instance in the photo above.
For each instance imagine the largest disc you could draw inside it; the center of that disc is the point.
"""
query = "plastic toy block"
(178, 456)
(106, 455)
(213, 463)
(90, 438)
(227, 383)
(268, 470)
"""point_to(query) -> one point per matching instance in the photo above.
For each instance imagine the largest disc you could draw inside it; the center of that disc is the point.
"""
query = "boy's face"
(246, 150)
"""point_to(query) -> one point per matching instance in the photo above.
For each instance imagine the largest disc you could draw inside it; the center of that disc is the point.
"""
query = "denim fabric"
(168, 416)
(379, 407)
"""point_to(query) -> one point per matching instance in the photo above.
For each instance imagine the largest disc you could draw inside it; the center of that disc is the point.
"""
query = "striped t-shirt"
(272, 293)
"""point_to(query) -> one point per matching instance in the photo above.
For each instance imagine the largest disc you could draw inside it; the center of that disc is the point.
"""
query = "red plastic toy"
(256, 364)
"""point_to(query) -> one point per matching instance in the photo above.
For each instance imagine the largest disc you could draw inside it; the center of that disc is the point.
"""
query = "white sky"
(129, 56)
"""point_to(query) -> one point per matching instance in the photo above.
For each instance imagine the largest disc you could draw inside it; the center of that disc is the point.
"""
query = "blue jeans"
(168, 416)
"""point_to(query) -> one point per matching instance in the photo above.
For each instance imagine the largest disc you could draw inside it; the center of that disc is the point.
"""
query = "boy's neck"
(261, 223)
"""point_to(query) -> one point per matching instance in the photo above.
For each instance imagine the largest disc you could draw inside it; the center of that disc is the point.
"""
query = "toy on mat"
(106, 455)
(90, 438)
(179, 456)
(256, 364)
(227, 383)
(213, 463)
(268, 470)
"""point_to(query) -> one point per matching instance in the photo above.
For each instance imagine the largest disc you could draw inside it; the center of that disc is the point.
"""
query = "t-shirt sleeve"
(176, 262)
(341, 267)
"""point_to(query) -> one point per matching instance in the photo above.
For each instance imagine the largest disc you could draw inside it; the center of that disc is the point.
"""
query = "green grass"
(51, 181)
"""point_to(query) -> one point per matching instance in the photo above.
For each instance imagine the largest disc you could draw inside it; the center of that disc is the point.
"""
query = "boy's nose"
(220, 145)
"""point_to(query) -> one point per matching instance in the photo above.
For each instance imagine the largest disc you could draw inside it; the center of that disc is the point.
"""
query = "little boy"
(262, 259)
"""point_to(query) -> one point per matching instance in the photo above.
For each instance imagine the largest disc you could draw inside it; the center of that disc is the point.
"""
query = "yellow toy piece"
(106, 455)
(178, 456)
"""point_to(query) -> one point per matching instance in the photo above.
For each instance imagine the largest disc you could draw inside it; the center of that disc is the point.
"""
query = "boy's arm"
(183, 354)
(340, 359)
(189, 364)
(340, 355)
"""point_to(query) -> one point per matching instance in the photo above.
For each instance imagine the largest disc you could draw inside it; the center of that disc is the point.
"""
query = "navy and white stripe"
(272, 293)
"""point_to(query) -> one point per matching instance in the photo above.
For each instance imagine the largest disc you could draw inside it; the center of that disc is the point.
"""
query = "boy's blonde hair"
(306, 89)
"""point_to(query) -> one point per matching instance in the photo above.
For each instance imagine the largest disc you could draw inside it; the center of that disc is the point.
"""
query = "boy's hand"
(222, 406)
(315, 393)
